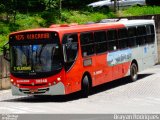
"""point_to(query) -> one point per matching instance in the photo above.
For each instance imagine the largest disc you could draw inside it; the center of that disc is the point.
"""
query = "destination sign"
(32, 36)
(22, 68)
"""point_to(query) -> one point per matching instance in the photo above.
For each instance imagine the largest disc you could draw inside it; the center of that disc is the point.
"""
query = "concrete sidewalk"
(2, 92)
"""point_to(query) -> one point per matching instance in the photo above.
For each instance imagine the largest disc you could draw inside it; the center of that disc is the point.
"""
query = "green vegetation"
(45, 18)
(22, 22)
(82, 17)
(138, 11)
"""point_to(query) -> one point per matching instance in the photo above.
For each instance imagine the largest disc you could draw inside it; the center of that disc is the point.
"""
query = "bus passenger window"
(141, 35)
(100, 41)
(87, 44)
(123, 38)
(132, 41)
(86, 38)
(150, 34)
(71, 46)
(112, 40)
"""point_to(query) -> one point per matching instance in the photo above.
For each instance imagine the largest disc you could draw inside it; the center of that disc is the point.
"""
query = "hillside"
(44, 19)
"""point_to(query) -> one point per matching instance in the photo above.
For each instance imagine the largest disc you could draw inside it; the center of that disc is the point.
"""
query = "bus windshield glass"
(35, 58)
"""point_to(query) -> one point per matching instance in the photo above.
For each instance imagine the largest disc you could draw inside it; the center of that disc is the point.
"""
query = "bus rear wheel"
(85, 87)
(133, 72)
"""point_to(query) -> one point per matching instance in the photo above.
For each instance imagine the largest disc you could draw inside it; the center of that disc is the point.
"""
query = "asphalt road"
(121, 96)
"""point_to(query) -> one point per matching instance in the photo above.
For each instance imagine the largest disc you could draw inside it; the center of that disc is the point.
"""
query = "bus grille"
(34, 85)
(39, 91)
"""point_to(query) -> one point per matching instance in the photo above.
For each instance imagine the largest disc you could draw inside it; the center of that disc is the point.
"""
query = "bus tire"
(133, 72)
(85, 87)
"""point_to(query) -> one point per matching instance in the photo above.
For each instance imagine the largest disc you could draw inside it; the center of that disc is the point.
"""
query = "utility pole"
(60, 8)
(14, 10)
(115, 5)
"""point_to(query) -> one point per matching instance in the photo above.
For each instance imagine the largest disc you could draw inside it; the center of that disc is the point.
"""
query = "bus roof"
(88, 27)
(128, 23)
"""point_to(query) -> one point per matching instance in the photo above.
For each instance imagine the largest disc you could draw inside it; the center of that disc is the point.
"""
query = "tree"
(54, 5)
(76, 4)
(7, 6)
(30, 5)
(153, 2)
(115, 5)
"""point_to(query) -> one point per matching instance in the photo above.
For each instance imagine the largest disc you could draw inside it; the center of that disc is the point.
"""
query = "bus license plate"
(33, 90)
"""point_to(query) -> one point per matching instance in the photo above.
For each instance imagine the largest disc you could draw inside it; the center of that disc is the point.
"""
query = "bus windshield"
(35, 58)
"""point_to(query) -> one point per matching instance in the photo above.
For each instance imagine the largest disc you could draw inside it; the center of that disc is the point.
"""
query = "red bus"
(64, 59)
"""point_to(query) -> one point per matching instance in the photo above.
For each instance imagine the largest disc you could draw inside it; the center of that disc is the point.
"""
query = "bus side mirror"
(64, 53)
(6, 52)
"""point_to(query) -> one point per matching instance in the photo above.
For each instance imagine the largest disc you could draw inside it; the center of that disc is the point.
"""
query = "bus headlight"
(58, 79)
(54, 82)
(11, 80)
(49, 84)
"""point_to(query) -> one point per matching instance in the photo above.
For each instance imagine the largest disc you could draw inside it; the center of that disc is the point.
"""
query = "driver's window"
(70, 41)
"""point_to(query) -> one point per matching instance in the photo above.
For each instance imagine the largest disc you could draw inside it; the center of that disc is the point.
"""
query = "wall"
(4, 74)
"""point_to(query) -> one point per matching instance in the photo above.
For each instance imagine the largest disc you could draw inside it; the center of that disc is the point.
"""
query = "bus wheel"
(133, 72)
(85, 87)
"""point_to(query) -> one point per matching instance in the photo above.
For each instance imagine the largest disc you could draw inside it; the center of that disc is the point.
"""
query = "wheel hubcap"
(134, 72)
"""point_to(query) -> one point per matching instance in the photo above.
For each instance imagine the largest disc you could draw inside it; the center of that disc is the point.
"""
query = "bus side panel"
(119, 61)
(74, 75)
(149, 55)
(102, 72)
(108, 68)
(105, 72)
(137, 55)
(145, 56)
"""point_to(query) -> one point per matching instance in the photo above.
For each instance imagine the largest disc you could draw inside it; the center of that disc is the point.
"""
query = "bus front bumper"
(57, 89)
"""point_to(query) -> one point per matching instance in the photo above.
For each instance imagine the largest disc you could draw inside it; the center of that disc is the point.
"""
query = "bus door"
(144, 40)
(70, 51)
(141, 39)
(149, 50)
